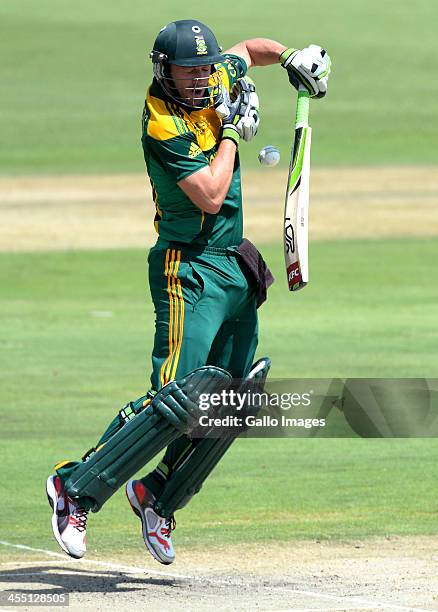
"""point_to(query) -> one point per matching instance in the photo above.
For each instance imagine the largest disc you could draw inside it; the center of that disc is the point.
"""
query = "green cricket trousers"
(205, 311)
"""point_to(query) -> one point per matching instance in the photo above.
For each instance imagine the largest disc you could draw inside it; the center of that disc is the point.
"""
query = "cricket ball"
(269, 156)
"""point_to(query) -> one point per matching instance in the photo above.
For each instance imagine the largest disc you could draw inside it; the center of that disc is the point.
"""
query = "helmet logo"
(201, 46)
(196, 29)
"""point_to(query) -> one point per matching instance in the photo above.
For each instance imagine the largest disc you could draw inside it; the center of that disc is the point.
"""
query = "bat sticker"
(289, 236)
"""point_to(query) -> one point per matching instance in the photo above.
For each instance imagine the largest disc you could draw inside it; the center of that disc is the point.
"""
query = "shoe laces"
(79, 519)
(170, 525)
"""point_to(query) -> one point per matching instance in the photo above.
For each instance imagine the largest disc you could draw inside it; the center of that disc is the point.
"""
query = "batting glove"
(240, 111)
(309, 67)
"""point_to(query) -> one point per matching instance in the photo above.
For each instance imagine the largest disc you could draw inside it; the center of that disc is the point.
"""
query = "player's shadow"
(67, 579)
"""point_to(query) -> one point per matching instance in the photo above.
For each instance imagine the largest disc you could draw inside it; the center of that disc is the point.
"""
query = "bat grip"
(302, 115)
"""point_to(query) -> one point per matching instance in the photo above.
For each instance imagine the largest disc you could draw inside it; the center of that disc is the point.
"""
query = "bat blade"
(296, 209)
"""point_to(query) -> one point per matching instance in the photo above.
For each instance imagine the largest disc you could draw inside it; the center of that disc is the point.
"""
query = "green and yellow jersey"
(178, 142)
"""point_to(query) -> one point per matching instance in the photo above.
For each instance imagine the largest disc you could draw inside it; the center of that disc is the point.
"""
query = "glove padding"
(239, 111)
(309, 67)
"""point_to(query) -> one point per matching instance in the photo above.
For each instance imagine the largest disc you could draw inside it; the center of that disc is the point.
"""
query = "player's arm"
(309, 67)
(208, 187)
(258, 51)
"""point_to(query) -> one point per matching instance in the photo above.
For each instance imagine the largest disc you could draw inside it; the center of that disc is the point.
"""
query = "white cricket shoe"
(156, 529)
(69, 520)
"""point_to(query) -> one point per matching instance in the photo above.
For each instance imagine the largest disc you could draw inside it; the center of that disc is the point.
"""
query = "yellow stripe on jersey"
(176, 116)
(181, 116)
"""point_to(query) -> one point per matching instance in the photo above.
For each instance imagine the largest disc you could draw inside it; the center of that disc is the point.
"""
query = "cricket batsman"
(206, 281)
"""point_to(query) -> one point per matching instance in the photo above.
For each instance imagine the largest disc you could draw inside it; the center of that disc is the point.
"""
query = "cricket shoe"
(69, 520)
(156, 529)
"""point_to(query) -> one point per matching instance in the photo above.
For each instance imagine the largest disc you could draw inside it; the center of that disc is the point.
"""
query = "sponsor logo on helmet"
(201, 45)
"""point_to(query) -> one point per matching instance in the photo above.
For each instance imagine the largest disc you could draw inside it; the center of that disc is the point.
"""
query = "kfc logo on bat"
(294, 274)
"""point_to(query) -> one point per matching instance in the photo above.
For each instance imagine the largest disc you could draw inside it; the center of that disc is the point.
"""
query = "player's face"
(191, 82)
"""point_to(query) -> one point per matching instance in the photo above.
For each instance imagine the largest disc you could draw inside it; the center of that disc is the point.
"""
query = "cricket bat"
(296, 206)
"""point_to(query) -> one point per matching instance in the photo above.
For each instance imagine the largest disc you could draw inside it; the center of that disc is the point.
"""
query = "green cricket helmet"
(188, 43)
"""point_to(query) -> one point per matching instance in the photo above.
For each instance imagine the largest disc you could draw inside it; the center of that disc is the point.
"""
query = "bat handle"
(302, 116)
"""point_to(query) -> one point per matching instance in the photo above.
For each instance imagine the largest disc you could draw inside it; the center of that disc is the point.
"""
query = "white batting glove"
(240, 110)
(309, 67)
(250, 119)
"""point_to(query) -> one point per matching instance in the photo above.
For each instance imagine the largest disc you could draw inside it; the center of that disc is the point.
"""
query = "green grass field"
(76, 336)
(74, 77)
